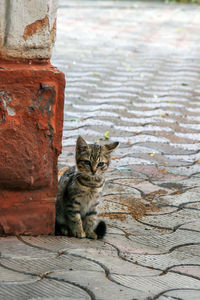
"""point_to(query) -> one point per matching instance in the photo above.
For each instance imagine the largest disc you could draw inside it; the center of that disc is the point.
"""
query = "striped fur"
(79, 189)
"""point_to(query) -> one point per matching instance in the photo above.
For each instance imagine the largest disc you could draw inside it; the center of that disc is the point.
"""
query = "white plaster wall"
(27, 28)
(2, 20)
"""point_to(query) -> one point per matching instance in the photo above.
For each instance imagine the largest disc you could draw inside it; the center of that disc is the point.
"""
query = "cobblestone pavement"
(132, 69)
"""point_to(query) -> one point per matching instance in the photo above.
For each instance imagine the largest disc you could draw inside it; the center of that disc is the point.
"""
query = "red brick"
(31, 120)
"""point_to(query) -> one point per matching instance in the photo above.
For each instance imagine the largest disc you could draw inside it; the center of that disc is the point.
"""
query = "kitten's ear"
(110, 147)
(81, 144)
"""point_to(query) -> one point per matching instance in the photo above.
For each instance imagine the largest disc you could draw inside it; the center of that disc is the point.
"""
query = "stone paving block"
(12, 247)
(42, 288)
(132, 227)
(183, 171)
(155, 285)
(194, 205)
(126, 173)
(197, 175)
(171, 220)
(190, 159)
(50, 263)
(182, 198)
(164, 160)
(161, 209)
(108, 206)
(130, 181)
(62, 243)
(51, 298)
(166, 242)
(192, 226)
(155, 173)
(10, 276)
(132, 245)
(114, 263)
(121, 205)
(134, 149)
(145, 187)
(191, 270)
(114, 230)
(183, 294)
(193, 249)
(112, 188)
(100, 285)
(165, 260)
(184, 183)
(168, 149)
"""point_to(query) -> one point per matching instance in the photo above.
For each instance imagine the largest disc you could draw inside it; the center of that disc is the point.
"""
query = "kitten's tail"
(57, 229)
(100, 230)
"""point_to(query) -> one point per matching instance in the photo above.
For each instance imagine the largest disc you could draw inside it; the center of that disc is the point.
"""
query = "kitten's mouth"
(96, 177)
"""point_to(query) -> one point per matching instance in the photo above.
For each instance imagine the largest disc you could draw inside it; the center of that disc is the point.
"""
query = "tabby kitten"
(79, 189)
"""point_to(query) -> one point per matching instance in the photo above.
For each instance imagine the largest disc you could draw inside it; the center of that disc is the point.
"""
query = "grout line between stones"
(121, 184)
(182, 273)
(124, 231)
(182, 245)
(163, 272)
(171, 290)
(132, 262)
(156, 226)
(105, 269)
(90, 293)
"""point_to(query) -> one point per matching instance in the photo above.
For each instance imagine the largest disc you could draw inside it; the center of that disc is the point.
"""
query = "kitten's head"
(93, 159)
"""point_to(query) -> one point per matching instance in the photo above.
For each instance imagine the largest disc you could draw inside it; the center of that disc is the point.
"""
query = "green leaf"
(147, 228)
(106, 136)
(96, 74)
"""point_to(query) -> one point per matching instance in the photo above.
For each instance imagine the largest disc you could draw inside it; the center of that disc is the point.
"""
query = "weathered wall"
(27, 28)
(31, 117)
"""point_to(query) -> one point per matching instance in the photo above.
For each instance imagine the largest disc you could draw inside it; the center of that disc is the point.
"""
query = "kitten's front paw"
(79, 234)
(91, 235)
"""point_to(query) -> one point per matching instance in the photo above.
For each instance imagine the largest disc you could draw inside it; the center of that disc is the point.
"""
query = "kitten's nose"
(94, 171)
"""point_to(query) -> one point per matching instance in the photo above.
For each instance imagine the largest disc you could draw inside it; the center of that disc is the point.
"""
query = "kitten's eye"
(101, 164)
(87, 162)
